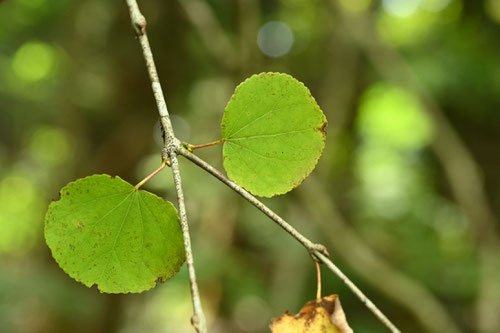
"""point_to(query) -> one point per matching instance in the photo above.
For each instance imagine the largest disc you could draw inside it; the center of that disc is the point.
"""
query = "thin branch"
(310, 246)
(173, 147)
(171, 144)
(407, 293)
(462, 171)
(362, 297)
(317, 251)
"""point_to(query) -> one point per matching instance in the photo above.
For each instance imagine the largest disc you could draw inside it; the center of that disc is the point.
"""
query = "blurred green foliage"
(75, 100)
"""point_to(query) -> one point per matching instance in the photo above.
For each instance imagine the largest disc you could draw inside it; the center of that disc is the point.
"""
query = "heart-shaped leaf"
(273, 133)
(105, 232)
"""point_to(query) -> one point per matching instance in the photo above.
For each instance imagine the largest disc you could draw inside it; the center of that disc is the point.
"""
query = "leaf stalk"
(154, 173)
(191, 147)
(318, 274)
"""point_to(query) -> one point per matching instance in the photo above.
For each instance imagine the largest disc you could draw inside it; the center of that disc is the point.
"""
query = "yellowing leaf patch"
(326, 316)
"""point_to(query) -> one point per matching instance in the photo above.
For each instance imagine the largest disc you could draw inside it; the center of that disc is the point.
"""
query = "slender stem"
(362, 297)
(191, 147)
(346, 243)
(171, 144)
(310, 246)
(154, 173)
(318, 274)
(198, 318)
(317, 251)
(173, 147)
(463, 173)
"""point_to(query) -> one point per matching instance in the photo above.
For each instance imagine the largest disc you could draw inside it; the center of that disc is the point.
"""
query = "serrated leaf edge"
(62, 194)
(321, 129)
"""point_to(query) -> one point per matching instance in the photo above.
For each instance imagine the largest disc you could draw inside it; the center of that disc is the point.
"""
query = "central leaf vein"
(268, 157)
(263, 115)
(270, 135)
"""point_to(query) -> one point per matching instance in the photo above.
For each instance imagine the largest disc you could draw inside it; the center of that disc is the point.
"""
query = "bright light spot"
(416, 28)
(384, 180)
(355, 6)
(390, 116)
(493, 9)
(393, 127)
(20, 208)
(382, 173)
(50, 146)
(435, 5)
(275, 39)
(16, 193)
(401, 8)
(34, 61)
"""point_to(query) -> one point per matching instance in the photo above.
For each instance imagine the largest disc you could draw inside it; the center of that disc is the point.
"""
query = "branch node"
(318, 248)
(195, 322)
(171, 146)
(164, 154)
(166, 161)
(139, 24)
(187, 145)
(317, 251)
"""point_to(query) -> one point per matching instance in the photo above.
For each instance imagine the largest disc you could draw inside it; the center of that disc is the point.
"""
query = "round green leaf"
(274, 134)
(105, 232)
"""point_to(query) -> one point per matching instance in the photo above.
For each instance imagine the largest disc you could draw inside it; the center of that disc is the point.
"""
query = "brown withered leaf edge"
(326, 316)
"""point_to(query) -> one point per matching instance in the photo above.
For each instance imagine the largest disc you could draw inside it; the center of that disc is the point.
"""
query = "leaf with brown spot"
(103, 231)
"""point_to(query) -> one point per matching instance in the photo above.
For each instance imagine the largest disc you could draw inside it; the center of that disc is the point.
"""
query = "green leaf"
(274, 134)
(105, 232)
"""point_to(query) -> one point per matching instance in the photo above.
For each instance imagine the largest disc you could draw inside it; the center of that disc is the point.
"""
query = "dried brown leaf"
(326, 316)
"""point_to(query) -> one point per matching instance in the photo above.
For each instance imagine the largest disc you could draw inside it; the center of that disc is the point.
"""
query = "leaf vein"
(263, 115)
(267, 157)
(270, 135)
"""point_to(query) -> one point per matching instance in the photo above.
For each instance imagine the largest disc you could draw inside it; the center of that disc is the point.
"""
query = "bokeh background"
(406, 195)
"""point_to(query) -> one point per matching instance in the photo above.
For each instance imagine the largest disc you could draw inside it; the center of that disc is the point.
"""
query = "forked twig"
(317, 251)
(173, 147)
